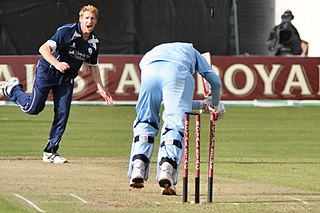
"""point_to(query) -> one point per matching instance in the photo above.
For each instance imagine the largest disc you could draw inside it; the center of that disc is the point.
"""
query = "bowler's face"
(88, 22)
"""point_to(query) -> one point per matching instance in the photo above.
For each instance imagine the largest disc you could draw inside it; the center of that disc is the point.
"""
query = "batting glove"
(205, 104)
(207, 107)
(220, 109)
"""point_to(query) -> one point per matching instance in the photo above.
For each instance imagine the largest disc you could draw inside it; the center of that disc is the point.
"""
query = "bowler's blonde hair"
(89, 8)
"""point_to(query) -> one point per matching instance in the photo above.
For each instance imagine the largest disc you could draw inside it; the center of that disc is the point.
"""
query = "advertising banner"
(243, 78)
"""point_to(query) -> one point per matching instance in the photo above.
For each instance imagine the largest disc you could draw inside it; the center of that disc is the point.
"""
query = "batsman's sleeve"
(216, 87)
(206, 71)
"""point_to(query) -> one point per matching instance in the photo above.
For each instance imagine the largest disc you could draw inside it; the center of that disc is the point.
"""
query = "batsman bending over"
(167, 75)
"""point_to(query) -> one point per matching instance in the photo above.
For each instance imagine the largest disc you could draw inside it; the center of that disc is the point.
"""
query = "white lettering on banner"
(268, 77)
(131, 71)
(79, 85)
(229, 79)
(104, 69)
(296, 78)
(30, 70)
(216, 70)
(5, 73)
(199, 89)
(287, 80)
(79, 82)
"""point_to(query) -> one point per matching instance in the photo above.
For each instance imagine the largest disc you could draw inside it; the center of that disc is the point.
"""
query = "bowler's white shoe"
(53, 158)
(7, 87)
(138, 174)
(166, 179)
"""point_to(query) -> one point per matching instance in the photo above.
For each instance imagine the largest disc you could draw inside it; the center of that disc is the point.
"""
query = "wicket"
(197, 157)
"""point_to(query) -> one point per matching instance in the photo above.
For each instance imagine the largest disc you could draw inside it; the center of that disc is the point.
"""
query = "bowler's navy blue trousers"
(46, 80)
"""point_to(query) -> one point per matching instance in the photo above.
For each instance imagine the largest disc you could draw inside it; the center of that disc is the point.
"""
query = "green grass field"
(266, 160)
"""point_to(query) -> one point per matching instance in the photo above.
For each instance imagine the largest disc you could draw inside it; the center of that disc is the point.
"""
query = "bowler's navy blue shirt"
(73, 49)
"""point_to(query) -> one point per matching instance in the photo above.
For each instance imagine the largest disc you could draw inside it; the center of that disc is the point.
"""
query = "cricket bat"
(205, 83)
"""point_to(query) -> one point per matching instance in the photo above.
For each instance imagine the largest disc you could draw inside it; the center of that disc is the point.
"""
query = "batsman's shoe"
(53, 158)
(138, 174)
(171, 190)
(166, 179)
(7, 87)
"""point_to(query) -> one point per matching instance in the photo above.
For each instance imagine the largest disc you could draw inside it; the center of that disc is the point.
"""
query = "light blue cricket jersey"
(186, 55)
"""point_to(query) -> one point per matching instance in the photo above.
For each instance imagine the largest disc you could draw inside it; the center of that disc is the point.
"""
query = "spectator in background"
(285, 39)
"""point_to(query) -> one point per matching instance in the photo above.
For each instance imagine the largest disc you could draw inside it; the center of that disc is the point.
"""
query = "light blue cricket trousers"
(172, 84)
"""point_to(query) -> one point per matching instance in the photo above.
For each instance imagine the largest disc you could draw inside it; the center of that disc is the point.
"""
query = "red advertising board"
(244, 78)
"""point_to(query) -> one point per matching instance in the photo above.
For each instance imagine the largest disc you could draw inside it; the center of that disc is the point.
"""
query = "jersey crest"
(94, 41)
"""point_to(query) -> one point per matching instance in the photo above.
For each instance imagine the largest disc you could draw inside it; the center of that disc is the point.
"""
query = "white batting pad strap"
(142, 145)
(169, 141)
(143, 138)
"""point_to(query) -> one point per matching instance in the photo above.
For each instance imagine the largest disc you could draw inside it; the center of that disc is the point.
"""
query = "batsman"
(167, 76)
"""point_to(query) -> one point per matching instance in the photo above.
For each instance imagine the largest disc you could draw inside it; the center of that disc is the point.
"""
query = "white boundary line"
(300, 200)
(79, 198)
(29, 202)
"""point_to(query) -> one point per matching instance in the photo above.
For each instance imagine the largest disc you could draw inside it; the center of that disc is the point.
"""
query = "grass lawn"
(266, 160)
